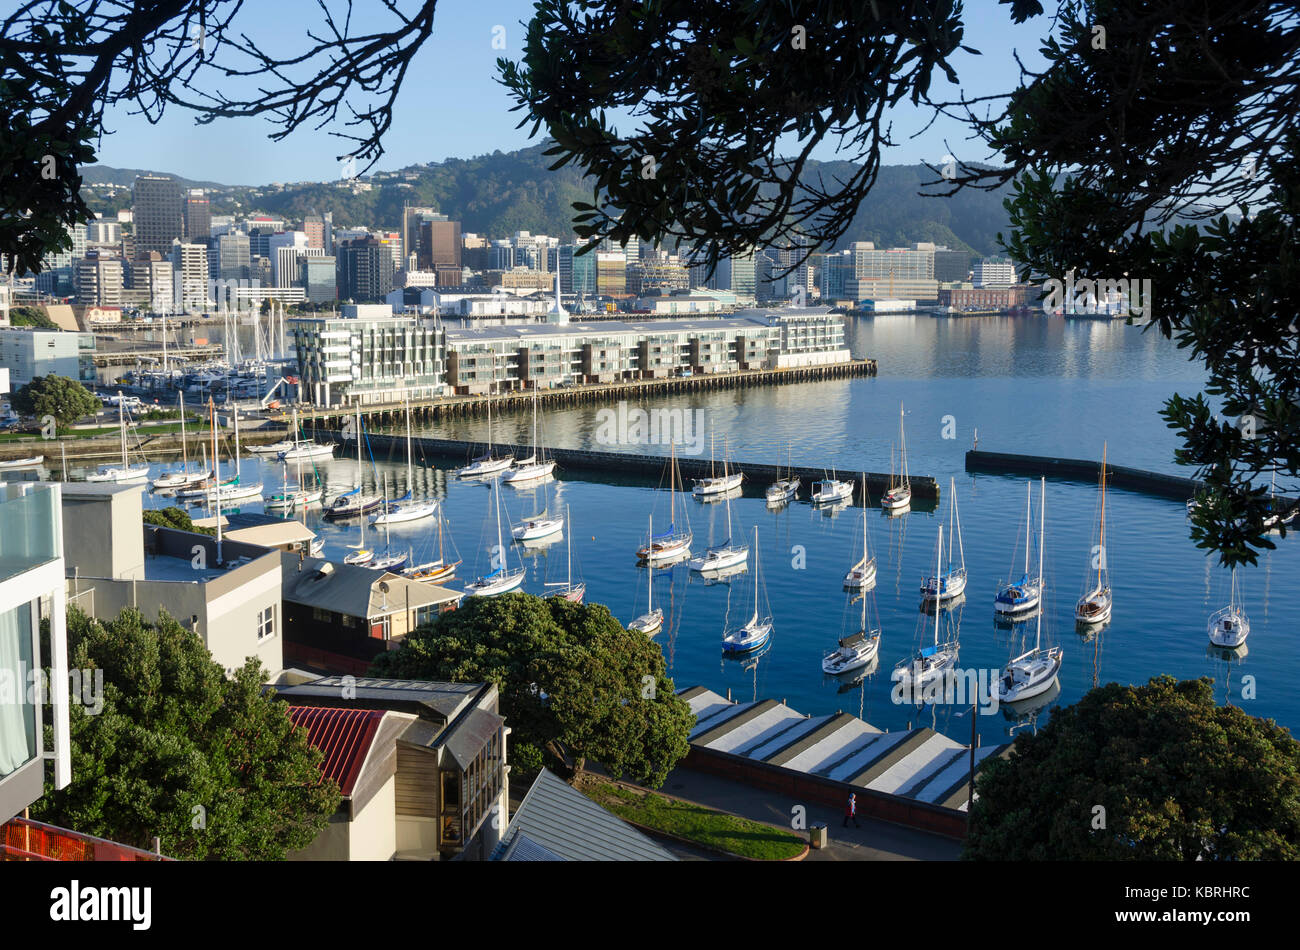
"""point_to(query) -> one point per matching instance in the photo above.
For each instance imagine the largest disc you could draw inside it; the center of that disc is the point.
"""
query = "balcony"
(29, 530)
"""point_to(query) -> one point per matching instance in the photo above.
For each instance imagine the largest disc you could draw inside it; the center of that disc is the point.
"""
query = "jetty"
(758, 475)
(1083, 470)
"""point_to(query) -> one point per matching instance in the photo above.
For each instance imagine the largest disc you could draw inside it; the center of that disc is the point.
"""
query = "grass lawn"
(714, 829)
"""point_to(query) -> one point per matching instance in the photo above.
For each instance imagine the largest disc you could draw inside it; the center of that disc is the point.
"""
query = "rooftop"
(355, 590)
(344, 735)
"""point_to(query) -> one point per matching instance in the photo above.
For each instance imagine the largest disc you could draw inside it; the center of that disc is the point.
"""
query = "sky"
(451, 105)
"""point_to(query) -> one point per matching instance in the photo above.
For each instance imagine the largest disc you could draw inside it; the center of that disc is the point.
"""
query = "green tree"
(213, 766)
(58, 396)
(1157, 772)
(173, 517)
(31, 317)
(573, 681)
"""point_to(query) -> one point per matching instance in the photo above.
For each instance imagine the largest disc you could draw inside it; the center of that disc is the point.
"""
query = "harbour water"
(1029, 384)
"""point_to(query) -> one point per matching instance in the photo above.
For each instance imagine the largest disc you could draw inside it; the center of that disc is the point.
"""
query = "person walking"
(851, 811)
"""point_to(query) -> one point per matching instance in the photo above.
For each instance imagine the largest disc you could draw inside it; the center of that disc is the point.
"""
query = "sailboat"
(536, 465)
(784, 489)
(405, 509)
(862, 574)
(1095, 606)
(1229, 626)
(1023, 595)
(722, 556)
(537, 526)
(355, 502)
(652, 621)
(914, 673)
(306, 450)
(717, 484)
(755, 634)
(293, 498)
(830, 490)
(487, 463)
(500, 579)
(1276, 516)
(388, 561)
(569, 590)
(948, 585)
(1033, 672)
(899, 495)
(213, 489)
(855, 651)
(126, 472)
(437, 570)
(672, 544)
(360, 553)
(184, 477)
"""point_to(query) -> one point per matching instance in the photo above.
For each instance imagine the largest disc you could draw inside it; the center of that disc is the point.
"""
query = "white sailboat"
(536, 465)
(355, 502)
(499, 579)
(652, 621)
(1033, 672)
(856, 650)
(1229, 626)
(406, 508)
(1277, 516)
(487, 463)
(388, 561)
(232, 489)
(436, 570)
(360, 553)
(831, 490)
(673, 544)
(184, 477)
(722, 556)
(538, 526)
(863, 573)
(784, 489)
(717, 484)
(899, 495)
(949, 584)
(1095, 606)
(755, 633)
(569, 590)
(1023, 595)
(126, 472)
(292, 498)
(930, 663)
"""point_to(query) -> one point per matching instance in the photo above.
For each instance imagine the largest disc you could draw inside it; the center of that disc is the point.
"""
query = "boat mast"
(216, 473)
(938, 586)
(961, 548)
(903, 439)
(1042, 532)
(359, 471)
(1029, 525)
(568, 527)
(121, 425)
(1102, 559)
(650, 572)
(185, 456)
(756, 575)
(235, 410)
(410, 483)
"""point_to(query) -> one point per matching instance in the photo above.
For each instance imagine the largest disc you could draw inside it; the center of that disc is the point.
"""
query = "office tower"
(191, 263)
(950, 265)
(259, 242)
(158, 212)
(154, 275)
(475, 251)
(365, 270)
(99, 279)
(318, 276)
(234, 257)
(285, 249)
(314, 227)
(894, 273)
(412, 220)
(611, 272)
(440, 251)
(259, 268)
(995, 272)
(198, 216)
(577, 272)
(737, 274)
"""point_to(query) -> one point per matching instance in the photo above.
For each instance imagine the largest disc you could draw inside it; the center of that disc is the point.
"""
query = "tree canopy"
(574, 683)
(58, 396)
(213, 766)
(1156, 772)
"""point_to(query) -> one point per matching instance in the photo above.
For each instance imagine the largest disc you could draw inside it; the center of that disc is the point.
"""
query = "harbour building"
(27, 353)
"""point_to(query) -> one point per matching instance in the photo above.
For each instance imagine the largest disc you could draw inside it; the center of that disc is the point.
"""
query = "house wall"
(373, 836)
(332, 844)
(104, 531)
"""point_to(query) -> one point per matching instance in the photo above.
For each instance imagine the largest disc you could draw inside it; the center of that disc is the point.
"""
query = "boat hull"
(951, 587)
(671, 550)
(721, 559)
(486, 467)
(896, 499)
(491, 587)
(839, 662)
(1028, 675)
(747, 639)
(649, 624)
(862, 576)
(716, 486)
(531, 530)
(404, 513)
(528, 473)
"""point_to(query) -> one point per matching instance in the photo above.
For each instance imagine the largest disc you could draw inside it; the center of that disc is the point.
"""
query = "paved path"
(874, 841)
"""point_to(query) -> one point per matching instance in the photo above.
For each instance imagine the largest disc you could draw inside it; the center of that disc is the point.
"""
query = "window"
(266, 623)
(319, 613)
(17, 714)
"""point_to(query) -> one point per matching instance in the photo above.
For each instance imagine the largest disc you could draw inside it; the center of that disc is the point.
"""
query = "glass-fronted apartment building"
(367, 359)
(31, 590)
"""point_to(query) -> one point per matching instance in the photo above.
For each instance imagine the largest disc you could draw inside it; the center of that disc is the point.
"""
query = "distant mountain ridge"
(503, 192)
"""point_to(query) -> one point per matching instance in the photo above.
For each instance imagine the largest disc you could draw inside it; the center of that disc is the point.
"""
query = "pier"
(153, 353)
(758, 475)
(1081, 470)
(450, 407)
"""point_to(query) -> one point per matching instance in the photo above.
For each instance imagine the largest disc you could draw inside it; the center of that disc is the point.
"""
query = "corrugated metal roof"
(354, 590)
(344, 735)
(467, 737)
(566, 823)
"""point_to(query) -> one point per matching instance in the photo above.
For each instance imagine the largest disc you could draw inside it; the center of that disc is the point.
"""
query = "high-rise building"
(198, 216)
(950, 265)
(191, 263)
(995, 272)
(99, 279)
(314, 227)
(413, 218)
(365, 270)
(737, 274)
(611, 273)
(285, 249)
(234, 257)
(577, 271)
(158, 212)
(893, 274)
(439, 251)
(155, 276)
(319, 278)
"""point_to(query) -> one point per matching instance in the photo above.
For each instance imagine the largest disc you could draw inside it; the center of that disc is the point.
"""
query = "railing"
(22, 839)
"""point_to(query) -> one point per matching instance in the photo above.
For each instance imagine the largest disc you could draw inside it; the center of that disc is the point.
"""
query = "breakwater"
(1117, 476)
(758, 475)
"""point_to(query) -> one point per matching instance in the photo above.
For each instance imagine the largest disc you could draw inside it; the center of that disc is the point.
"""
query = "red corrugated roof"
(344, 735)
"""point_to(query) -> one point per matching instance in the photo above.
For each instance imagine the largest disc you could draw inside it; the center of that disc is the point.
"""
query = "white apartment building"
(994, 272)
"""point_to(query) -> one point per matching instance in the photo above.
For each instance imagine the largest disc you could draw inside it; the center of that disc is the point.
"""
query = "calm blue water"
(1041, 386)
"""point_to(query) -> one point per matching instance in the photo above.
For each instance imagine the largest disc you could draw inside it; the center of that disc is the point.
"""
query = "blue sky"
(452, 106)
